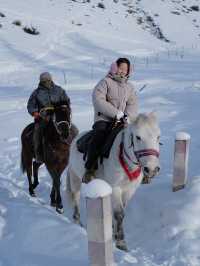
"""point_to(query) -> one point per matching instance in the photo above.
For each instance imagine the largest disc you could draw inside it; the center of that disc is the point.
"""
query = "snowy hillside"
(77, 41)
(75, 33)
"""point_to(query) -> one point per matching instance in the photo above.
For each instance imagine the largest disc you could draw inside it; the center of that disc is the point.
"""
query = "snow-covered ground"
(162, 227)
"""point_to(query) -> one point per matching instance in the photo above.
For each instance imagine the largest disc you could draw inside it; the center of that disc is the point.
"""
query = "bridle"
(57, 124)
(140, 153)
(65, 122)
(133, 168)
(146, 152)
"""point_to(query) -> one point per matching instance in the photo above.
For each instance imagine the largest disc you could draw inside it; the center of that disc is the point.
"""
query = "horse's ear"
(132, 120)
(152, 115)
(140, 117)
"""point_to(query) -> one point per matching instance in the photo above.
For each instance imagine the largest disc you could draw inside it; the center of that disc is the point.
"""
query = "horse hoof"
(32, 194)
(121, 244)
(60, 210)
(81, 225)
(78, 222)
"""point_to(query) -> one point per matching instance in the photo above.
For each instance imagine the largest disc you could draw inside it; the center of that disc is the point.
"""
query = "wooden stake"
(181, 154)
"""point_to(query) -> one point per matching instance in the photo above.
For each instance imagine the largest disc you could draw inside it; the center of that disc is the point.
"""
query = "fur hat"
(45, 76)
(113, 68)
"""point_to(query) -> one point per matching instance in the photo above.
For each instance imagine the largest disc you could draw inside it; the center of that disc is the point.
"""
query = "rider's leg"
(98, 139)
(37, 142)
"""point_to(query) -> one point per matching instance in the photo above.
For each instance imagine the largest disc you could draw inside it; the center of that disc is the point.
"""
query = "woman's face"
(122, 70)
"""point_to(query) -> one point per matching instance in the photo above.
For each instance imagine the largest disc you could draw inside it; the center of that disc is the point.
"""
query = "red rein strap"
(132, 175)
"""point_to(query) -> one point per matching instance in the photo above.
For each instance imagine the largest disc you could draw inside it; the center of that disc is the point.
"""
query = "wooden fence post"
(99, 223)
(181, 154)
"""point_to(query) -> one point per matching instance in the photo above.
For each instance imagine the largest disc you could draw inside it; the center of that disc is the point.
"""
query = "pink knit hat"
(114, 68)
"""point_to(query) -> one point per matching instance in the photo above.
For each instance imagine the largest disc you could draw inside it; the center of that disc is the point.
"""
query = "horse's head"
(59, 116)
(146, 138)
(62, 120)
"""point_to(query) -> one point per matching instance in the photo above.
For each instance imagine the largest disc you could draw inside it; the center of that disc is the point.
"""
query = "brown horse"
(58, 134)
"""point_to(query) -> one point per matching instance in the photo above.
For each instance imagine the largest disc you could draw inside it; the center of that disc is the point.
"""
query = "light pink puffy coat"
(110, 96)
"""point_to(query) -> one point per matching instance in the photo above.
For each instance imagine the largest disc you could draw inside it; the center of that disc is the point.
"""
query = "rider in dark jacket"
(46, 95)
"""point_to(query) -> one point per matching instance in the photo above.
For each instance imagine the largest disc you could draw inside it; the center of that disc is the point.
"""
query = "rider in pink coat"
(115, 95)
(113, 98)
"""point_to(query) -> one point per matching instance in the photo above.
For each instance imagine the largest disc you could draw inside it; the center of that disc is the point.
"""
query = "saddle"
(84, 141)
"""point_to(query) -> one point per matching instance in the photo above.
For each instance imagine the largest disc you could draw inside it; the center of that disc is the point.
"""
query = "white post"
(181, 154)
(99, 223)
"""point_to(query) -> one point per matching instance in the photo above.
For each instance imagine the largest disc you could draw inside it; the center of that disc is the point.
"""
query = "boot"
(88, 176)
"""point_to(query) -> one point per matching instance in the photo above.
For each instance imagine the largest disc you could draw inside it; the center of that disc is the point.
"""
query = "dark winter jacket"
(44, 97)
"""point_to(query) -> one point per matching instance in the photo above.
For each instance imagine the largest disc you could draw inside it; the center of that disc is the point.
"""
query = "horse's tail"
(26, 150)
(23, 164)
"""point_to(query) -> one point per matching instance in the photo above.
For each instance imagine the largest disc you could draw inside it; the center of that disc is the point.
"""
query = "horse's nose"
(146, 170)
(157, 170)
(151, 172)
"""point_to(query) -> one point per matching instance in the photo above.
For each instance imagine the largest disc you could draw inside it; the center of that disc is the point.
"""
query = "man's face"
(47, 83)
(122, 70)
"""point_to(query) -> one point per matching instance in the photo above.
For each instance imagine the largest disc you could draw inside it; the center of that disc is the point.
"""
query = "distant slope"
(79, 33)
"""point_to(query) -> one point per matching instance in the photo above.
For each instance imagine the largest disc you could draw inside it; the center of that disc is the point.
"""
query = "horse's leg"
(53, 197)
(27, 162)
(73, 192)
(29, 175)
(59, 205)
(118, 210)
(56, 187)
(128, 192)
(35, 174)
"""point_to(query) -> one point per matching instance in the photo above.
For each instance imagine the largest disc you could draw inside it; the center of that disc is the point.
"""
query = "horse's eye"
(138, 137)
(158, 138)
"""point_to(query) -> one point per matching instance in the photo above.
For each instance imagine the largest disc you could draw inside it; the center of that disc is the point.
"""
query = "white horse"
(134, 154)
